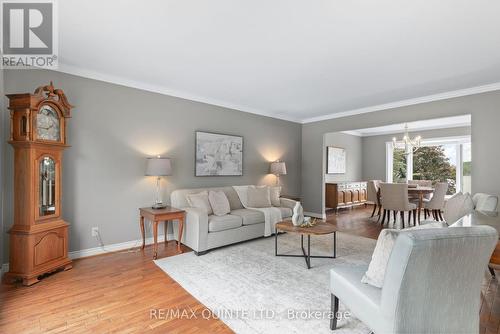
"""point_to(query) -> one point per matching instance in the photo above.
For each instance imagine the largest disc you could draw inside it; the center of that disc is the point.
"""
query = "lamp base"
(159, 206)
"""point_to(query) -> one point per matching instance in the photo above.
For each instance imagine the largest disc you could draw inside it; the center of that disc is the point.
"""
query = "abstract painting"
(336, 160)
(218, 154)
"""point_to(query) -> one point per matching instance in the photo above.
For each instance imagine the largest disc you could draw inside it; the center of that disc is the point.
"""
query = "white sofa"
(203, 232)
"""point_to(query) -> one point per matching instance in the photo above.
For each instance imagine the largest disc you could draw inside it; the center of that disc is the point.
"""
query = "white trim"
(389, 162)
(114, 247)
(107, 249)
(315, 215)
(425, 128)
(86, 73)
(446, 140)
(354, 133)
(408, 102)
(5, 268)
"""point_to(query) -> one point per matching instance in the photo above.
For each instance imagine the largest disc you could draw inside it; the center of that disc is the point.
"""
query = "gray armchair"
(432, 283)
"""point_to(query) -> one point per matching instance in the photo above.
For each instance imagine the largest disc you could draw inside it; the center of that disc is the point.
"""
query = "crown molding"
(403, 103)
(86, 73)
(415, 127)
(90, 74)
(353, 133)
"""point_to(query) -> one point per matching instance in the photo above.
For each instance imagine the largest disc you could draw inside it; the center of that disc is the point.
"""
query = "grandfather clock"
(39, 236)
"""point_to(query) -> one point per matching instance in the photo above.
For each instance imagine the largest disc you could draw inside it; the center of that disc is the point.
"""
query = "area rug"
(253, 291)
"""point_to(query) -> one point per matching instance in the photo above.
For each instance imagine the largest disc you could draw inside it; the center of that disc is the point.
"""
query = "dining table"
(420, 191)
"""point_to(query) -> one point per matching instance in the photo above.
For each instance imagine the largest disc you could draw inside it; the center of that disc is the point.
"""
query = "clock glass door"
(47, 195)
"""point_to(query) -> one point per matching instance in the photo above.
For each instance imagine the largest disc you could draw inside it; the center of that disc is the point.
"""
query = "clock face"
(47, 124)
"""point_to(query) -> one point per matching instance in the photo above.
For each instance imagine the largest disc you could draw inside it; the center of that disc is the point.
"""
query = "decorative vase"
(298, 215)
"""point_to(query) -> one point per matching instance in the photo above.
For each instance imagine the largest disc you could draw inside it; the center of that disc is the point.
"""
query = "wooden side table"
(157, 216)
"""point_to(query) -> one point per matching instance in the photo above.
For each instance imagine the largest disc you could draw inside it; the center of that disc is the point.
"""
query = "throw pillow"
(375, 274)
(259, 197)
(219, 202)
(242, 192)
(200, 200)
(275, 193)
(458, 206)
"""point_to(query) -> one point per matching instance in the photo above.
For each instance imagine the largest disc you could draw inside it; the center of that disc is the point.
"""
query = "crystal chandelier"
(409, 145)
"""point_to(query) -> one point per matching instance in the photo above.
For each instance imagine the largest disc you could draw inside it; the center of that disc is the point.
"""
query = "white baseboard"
(114, 247)
(107, 249)
(315, 215)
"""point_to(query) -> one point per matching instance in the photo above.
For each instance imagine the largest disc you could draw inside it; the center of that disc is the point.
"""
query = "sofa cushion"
(285, 212)
(178, 197)
(200, 200)
(259, 197)
(218, 201)
(250, 217)
(275, 193)
(221, 223)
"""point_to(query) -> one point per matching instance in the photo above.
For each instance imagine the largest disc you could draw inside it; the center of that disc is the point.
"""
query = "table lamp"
(158, 167)
(278, 168)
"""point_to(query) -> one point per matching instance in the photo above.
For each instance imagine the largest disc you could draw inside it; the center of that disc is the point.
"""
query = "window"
(444, 160)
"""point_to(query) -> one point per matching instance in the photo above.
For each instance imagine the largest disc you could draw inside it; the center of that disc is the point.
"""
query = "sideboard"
(345, 194)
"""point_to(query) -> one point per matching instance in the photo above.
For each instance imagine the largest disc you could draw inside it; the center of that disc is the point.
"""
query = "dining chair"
(437, 201)
(394, 197)
(373, 196)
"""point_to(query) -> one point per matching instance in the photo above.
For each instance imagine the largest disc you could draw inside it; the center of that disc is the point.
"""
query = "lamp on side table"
(158, 167)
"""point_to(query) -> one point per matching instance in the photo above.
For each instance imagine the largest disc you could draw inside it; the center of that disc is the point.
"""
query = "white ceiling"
(428, 124)
(300, 60)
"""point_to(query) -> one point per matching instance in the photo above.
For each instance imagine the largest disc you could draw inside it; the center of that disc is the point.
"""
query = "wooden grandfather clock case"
(39, 236)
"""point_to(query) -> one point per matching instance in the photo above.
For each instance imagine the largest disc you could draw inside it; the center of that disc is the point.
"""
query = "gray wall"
(485, 111)
(353, 147)
(113, 130)
(374, 149)
(3, 128)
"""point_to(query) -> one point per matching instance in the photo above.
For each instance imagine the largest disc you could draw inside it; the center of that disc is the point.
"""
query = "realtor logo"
(29, 36)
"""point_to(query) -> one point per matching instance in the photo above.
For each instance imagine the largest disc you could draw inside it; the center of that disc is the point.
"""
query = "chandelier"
(409, 145)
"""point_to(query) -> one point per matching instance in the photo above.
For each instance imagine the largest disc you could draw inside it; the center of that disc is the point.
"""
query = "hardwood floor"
(116, 292)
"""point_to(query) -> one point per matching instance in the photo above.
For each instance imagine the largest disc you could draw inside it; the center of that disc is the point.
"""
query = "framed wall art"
(218, 154)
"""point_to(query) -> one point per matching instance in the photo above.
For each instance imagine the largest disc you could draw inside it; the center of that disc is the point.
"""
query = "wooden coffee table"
(319, 229)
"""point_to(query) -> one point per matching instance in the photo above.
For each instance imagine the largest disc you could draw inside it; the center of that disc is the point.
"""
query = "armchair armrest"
(287, 203)
(195, 229)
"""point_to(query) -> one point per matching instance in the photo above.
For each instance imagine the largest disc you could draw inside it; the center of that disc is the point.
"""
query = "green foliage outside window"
(429, 163)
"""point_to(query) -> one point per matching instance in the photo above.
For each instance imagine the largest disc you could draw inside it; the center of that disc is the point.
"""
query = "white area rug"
(241, 280)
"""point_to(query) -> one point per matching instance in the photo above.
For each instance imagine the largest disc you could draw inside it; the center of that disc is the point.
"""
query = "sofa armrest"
(195, 233)
(287, 203)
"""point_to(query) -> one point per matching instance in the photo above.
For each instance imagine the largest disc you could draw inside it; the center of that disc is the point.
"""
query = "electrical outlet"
(95, 231)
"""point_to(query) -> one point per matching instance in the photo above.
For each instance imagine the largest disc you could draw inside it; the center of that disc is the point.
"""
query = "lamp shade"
(158, 167)
(278, 168)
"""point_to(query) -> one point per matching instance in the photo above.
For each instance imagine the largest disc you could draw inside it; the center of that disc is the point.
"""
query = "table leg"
(334, 244)
(276, 243)
(142, 233)
(155, 237)
(181, 228)
(420, 205)
(165, 224)
(308, 251)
